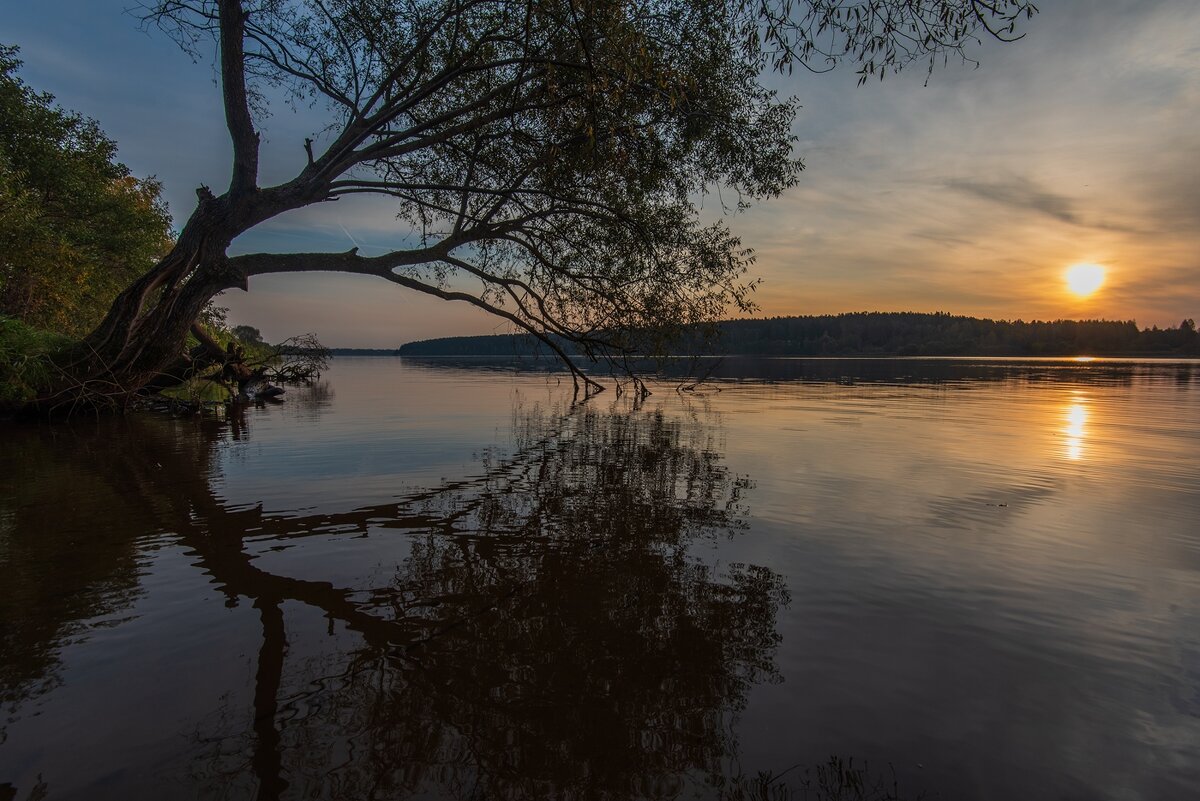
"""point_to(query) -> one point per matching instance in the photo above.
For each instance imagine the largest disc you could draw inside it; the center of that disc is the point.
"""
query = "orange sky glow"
(972, 194)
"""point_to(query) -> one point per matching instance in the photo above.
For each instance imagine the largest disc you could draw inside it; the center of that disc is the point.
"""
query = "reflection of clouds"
(1045, 605)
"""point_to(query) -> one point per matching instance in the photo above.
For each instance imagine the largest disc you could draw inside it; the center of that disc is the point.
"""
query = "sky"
(971, 193)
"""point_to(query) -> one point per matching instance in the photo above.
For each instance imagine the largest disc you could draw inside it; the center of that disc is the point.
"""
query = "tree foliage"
(75, 226)
(247, 334)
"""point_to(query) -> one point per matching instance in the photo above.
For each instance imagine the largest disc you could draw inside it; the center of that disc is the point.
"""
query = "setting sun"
(1084, 279)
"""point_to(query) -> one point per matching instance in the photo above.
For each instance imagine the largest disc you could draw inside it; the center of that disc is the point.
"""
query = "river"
(977, 579)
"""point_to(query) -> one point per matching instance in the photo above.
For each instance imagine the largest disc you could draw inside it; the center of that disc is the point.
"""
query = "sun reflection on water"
(1076, 415)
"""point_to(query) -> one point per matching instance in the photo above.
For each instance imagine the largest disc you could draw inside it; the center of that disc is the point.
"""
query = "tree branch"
(237, 103)
(383, 266)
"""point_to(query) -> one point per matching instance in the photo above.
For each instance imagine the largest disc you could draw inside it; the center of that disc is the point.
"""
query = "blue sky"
(971, 194)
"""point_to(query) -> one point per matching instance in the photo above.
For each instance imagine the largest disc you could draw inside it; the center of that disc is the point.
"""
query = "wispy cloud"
(1022, 194)
(1027, 195)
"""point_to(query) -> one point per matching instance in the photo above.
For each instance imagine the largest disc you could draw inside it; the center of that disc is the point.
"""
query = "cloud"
(1024, 194)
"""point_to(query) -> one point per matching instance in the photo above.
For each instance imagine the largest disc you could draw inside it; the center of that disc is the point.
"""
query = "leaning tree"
(546, 155)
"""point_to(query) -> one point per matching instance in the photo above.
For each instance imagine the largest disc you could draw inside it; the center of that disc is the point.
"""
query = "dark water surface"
(416, 581)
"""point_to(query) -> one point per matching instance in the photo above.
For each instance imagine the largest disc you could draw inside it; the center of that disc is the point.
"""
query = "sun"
(1084, 279)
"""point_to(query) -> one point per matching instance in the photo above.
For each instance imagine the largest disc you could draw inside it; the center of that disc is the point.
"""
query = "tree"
(546, 153)
(75, 226)
(247, 334)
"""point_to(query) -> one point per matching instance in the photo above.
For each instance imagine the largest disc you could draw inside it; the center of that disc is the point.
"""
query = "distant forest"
(888, 334)
(366, 351)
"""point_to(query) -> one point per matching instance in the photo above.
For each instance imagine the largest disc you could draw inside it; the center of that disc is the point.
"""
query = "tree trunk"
(140, 343)
(141, 340)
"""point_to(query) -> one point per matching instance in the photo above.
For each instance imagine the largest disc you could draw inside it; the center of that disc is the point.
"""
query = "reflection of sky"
(425, 428)
(967, 606)
(971, 194)
(962, 595)
(965, 597)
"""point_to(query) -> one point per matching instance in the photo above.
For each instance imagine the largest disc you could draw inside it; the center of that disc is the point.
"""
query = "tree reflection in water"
(547, 631)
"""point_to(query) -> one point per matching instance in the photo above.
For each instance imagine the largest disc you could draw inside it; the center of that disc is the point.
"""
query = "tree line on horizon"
(885, 334)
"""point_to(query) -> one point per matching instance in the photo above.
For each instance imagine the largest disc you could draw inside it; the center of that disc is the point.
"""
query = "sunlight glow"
(1077, 415)
(1084, 279)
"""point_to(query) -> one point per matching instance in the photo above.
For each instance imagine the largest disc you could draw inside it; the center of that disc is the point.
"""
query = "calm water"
(435, 582)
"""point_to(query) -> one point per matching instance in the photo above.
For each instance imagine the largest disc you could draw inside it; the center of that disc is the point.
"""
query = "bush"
(26, 360)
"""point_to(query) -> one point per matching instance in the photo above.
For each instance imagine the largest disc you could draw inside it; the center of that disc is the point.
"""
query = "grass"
(198, 390)
(27, 364)
(26, 360)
